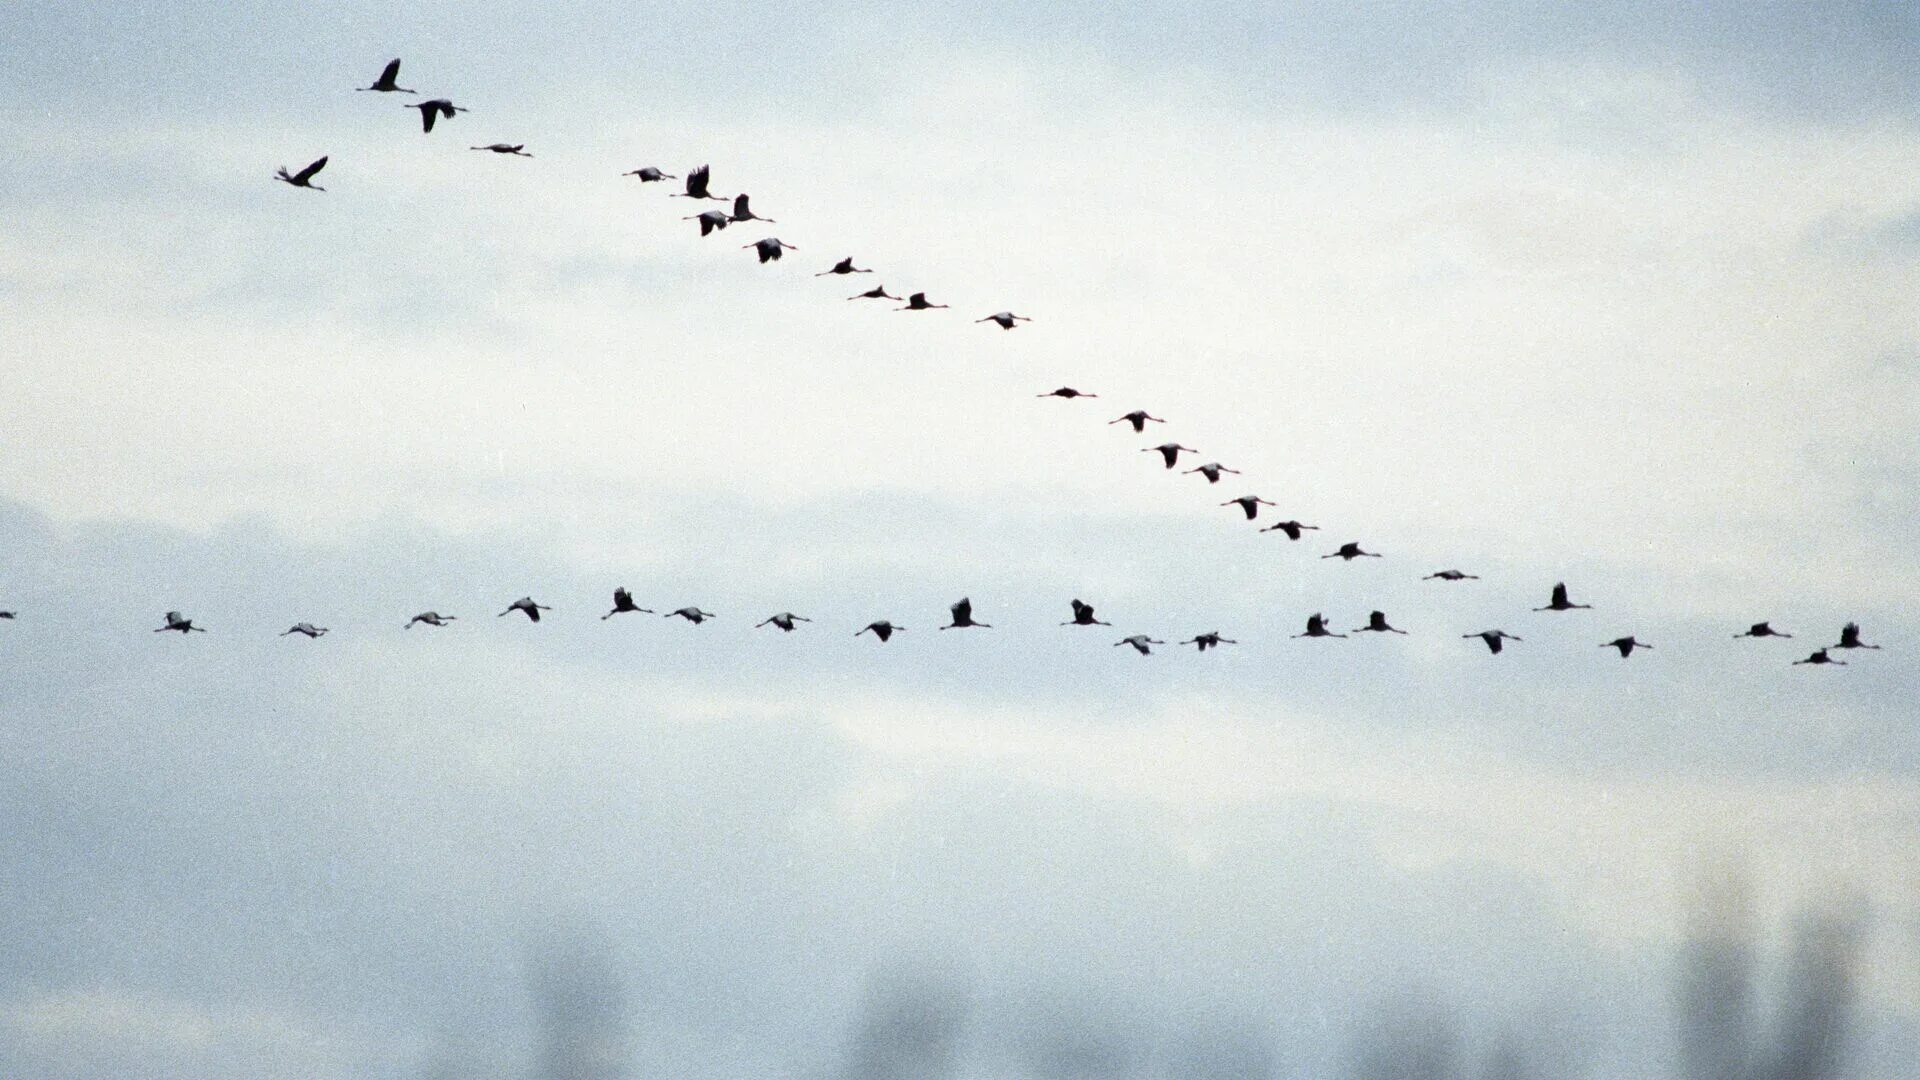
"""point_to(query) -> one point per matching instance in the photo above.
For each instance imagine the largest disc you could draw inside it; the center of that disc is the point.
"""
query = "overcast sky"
(1627, 297)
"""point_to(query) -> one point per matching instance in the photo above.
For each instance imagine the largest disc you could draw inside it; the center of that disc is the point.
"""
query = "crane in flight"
(431, 618)
(1138, 420)
(1493, 638)
(878, 292)
(696, 186)
(1317, 627)
(963, 616)
(1349, 552)
(1004, 319)
(1292, 529)
(516, 149)
(650, 175)
(1249, 504)
(1139, 643)
(177, 621)
(1067, 392)
(692, 614)
(769, 249)
(386, 83)
(1559, 601)
(527, 607)
(1626, 645)
(1450, 575)
(623, 603)
(784, 621)
(742, 212)
(882, 629)
(1209, 640)
(1850, 638)
(306, 628)
(918, 302)
(711, 221)
(1212, 470)
(1377, 624)
(303, 178)
(1169, 452)
(1820, 657)
(845, 266)
(1083, 615)
(1761, 629)
(433, 110)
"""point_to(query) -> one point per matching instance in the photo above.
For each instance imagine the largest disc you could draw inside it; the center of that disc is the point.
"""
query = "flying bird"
(845, 266)
(1850, 638)
(710, 220)
(697, 186)
(742, 212)
(1820, 657)
(1067, 392)
(769, 249)
(1626, 645)
(303, 178)
(431, 618)
(1559, 602)
(1350, 552)
(1292, 529)
(1169, 452)
(1005, 319)
(432, 110)
(1211, 470)
(1138, 418)
(177, 621)
(623, 603)
(692, 614)
(1249, 504)
(963, 616)
(526, 606)
(1761, 629)
(878, 292)
(6, 614)
(918, 302)
(1083, 616)
(1139, 643)
(650, 175)
(1493, 638)
(1209, 640)
(1450, 575)
(882, 629)
(1377, 624)
(1317, 627)
(784, 621)
(386, 84)
(306, 628)
(517, 149)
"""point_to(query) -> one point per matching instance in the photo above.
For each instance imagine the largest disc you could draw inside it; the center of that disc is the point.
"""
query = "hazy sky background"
(1623, 296)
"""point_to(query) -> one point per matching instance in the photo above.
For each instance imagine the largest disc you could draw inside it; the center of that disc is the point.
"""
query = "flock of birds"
(696, 184)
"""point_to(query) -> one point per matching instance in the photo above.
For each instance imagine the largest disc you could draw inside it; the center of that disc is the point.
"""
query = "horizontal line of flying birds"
(697, 184)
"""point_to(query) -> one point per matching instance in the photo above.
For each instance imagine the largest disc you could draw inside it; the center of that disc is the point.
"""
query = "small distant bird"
(882, 629)
(918, 302)
(1139, 643)
(1450, 575)
(177, 621)
(1249, 504)
(963, 616)
(1169, 452)
(1292, 529)
(769, 249)
(527, 607)
(517, 149)
(1138, 418)
(1761, 629)
(692, 614)
(1067, 392)
(6, 614)
(1209, 640)
(306, 628)
(650, 175)
(1005, 319)
(1626, 645)
(432, 110)
(1850, 638)
(303, 178)
(1350, 552)
(1377, 624)
(1212, 470)
(1317, 627)
(710, 221)
(878, 292)
(742, 212)
(1820, 657)
(1559, 602)
(845, 266)
(697, 186)
(1493, 638)
(1083, 616)
(431, 618)
(386, 84)
(784, 621)
(623, 603)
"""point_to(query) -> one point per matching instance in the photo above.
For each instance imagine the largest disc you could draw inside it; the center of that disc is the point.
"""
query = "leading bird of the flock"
(650, 175)
(1349, 552)
(1493, 638)
(784, 621)
(882, 629)
(1209, 640)
(1137, 419)
(845, 266)
(1211, 470)
(918, 302)
(692, 614)
(177, 621)
(1626, 645)
(1761, 629)
(1139, 643)
(1850, 638)
(1820, 657)
(1005, 319)
(1250, 504)
(433, 110)
(711, 221)
(696, 186)
(1377, 624)
(516, 149)
(303, 178)
(963, 616)
(742, 212)
(431, 618)
(527, 607)
(878, 292)
(1450, 575)
(306, 628)
(1292, 529)
(1559, 601)
(1067, 392)
(1169, 452)
(1083, 615)
(623, 603)
(769, 249)
(1317, 627)
(386, 83)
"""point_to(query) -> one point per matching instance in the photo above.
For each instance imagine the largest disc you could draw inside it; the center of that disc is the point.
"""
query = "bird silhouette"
(784, 621)
(303, 178)
(1850, 638)
(623, 603)
(1377, 624)
(1067, 392)
(1138, 419)
(845, 266)
(386, 84)
(882, 629)
(1211, 470)
(963, 616)
(1293, 529)
(1249, 504)
(431, 618)
(527, 607)
(696, 186)
(1493, 638)
(177, 621)
(918, 302)
(743, 212)
(1350, 552)
(1626, 645)
(1005, 319)
(1169, 452)
(710, 221)
(1317, 627)
(1761, 629)
(6, 615)
(1209, 640)
(878, 292)
(1820, 657)
(1559, 602)
(432, 110)
(516, 149)
(650, 175)
(1083, 616)
(306, 628)
(1450, 575)
(692, 614)
(769, 249)
(1139, 643)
